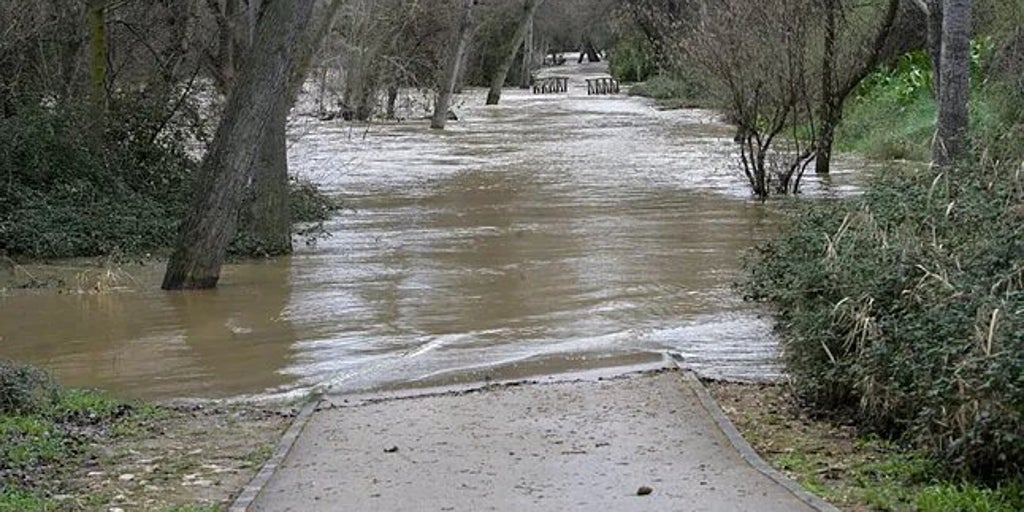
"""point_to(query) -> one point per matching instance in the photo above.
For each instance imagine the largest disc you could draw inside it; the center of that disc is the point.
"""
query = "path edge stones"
(252, 490)
(746, 451)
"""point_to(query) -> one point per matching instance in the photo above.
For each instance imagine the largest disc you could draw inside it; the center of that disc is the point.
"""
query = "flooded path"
(549, 234)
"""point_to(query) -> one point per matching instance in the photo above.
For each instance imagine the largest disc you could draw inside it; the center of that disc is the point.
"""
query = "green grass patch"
(46, 432)
(20, 501)
(672, 91)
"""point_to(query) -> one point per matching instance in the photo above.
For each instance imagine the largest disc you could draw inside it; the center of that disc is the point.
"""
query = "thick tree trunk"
(227, 46)
(510, 51)
(526, 73)
(210, 223)
(954, 84)
(266, 220)
(253, 18)
(98, 55)
(447, 88)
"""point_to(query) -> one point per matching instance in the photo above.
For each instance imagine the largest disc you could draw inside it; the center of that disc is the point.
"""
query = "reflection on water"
(547, 234)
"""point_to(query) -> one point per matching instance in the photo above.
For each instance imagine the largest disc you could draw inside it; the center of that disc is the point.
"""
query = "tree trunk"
(227, 46)
(98, 55)
(590, 52)
(835, 90)
(954, 84)
(935, 43)
(253, 19)
(510, 51)
(266, 220)
(210, 223)
(526, 75)
(444, 98)
(392, 99)
(829, 116)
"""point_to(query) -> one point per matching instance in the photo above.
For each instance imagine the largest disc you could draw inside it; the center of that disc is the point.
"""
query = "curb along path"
(572, 445)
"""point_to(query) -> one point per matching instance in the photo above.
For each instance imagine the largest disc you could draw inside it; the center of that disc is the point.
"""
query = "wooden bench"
(551, 85)
(604, 85)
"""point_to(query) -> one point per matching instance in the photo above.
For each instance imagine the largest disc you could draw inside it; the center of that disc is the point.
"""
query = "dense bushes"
(632, 59)
(75, 187)
(905, 307)
(72, 186)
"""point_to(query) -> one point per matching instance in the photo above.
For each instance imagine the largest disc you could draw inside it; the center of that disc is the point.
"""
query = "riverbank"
(79, 450)
(852, 471)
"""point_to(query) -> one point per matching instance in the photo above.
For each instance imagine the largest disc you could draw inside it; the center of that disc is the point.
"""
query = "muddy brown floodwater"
(549, 234)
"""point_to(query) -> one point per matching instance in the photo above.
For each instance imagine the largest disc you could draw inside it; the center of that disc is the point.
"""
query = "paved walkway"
(581, 445)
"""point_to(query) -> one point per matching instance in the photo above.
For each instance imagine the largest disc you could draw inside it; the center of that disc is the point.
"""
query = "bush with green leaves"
(632, 59)
(25, 390)
(904, 309)
(77, 187)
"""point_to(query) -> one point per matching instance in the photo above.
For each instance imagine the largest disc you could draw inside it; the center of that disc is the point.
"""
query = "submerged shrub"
(905, 308)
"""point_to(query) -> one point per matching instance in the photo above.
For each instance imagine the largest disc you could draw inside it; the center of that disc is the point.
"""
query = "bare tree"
(449, 80)
(510, 50)
(758, 55)
(209, 225)
(848, 57)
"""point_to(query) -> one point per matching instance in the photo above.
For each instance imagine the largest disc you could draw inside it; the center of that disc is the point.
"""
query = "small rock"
(94, 474)
(644, 490)
(127, 477)
(115, 509)
(393, 449)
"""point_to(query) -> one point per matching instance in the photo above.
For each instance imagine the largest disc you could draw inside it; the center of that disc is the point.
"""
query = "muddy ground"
(185, 456)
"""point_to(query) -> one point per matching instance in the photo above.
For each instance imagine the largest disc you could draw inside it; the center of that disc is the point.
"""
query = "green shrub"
(19, 501)
(25, 390)
(672, 90)
(76, 188)
(970, 498)
(73, 189)
(905, 309)
(632, 59)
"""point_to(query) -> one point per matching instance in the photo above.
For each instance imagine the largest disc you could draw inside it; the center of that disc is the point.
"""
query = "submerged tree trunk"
(210, 223)
(836, 90)
(526, 73)
(954, 84)
(829, 116)
(266, 219)
(589, 52)
(510, 51)
(392, 99)
(444, 97)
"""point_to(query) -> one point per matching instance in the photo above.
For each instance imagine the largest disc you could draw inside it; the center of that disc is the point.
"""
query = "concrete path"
(580, 445)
